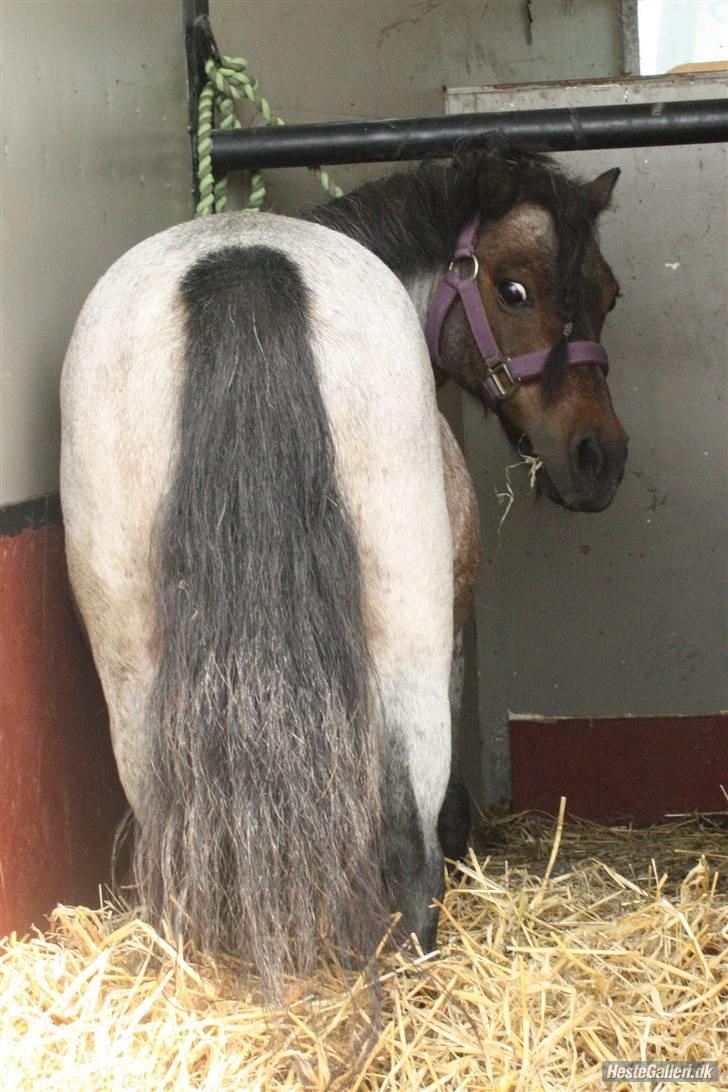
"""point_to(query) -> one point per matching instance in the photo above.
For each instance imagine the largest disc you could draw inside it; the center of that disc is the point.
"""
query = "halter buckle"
(504, 382)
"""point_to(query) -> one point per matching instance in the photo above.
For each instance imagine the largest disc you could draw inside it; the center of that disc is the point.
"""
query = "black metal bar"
(634, 125)
(199, 45)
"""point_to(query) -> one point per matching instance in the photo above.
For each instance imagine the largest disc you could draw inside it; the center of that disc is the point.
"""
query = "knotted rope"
(228, 83)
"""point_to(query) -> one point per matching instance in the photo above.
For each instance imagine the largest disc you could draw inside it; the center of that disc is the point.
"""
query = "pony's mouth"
(546, 488)
(595, 499)
(590, 493)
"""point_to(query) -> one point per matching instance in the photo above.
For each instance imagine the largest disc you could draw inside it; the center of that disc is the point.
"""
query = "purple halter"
(505, 374)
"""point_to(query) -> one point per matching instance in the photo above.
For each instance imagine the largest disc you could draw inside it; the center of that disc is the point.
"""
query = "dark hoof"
(453, 826)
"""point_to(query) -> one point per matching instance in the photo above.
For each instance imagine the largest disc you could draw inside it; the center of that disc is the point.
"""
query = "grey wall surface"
(623, 612)
(328, 60)
(95, 158)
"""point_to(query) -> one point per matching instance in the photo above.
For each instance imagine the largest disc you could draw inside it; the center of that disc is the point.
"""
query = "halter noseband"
(505, 374)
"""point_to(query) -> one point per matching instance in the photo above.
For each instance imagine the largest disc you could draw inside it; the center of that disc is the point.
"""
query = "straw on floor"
(560, 947)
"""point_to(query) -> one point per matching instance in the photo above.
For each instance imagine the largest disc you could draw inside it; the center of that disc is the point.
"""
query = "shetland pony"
(272, 536)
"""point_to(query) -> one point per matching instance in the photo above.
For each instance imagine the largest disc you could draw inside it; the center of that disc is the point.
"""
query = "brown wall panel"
(60, 798)
(635, 769)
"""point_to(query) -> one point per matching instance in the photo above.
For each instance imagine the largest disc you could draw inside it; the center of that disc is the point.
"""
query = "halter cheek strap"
(504, 374)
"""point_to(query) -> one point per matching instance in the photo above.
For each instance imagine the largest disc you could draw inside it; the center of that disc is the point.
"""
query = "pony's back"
(249, 435)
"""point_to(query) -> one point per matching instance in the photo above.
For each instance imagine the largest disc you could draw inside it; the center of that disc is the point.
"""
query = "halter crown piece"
(504, 374)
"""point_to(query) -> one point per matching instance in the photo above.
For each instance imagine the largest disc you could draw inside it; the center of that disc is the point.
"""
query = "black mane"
(411, 218)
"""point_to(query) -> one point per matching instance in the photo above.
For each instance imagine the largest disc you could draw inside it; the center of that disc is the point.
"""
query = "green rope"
(227, 84)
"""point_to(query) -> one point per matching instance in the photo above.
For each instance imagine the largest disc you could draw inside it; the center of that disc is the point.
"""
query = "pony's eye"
(512, 294)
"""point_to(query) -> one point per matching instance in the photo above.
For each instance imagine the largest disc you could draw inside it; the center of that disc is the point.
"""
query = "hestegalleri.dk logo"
(690, 1072)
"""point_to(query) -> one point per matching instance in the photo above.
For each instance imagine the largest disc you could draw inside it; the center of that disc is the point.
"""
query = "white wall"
(95, 158)
(676, 32)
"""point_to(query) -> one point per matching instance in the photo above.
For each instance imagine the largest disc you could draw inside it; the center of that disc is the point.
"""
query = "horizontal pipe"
(635, 125)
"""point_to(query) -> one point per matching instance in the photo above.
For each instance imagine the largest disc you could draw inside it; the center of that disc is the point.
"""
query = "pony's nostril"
(590, 457)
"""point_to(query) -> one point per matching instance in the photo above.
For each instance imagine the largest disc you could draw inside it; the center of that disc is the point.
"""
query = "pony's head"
(539, 277)
(544, 284)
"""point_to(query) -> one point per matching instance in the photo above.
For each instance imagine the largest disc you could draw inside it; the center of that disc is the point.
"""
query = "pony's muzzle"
(596, 465)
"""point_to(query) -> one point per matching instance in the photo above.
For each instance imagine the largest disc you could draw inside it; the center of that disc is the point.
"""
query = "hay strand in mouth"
(506, 496)
(560, 945)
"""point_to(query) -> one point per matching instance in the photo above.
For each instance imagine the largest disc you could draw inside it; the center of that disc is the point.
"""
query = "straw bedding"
(560, 946)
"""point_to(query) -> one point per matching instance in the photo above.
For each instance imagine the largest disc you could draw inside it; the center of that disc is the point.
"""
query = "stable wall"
(332, 60)
(618, 615)
(95, 158)
(622, 614)
(94, 116)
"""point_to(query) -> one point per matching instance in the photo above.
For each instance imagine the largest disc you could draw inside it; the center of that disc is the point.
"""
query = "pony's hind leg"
(453, 825)
(462, 508)
(406, 557)
(412, 858)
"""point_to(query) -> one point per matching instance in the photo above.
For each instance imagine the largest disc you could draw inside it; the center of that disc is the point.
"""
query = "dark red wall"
(637, 769)
(60, 798)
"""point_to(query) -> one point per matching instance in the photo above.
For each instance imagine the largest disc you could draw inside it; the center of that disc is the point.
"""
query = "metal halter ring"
(465, 258)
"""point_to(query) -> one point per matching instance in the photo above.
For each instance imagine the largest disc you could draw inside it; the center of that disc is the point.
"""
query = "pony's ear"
(599, 191)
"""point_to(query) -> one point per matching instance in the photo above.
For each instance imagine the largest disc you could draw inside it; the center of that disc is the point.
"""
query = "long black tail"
(261, 834)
